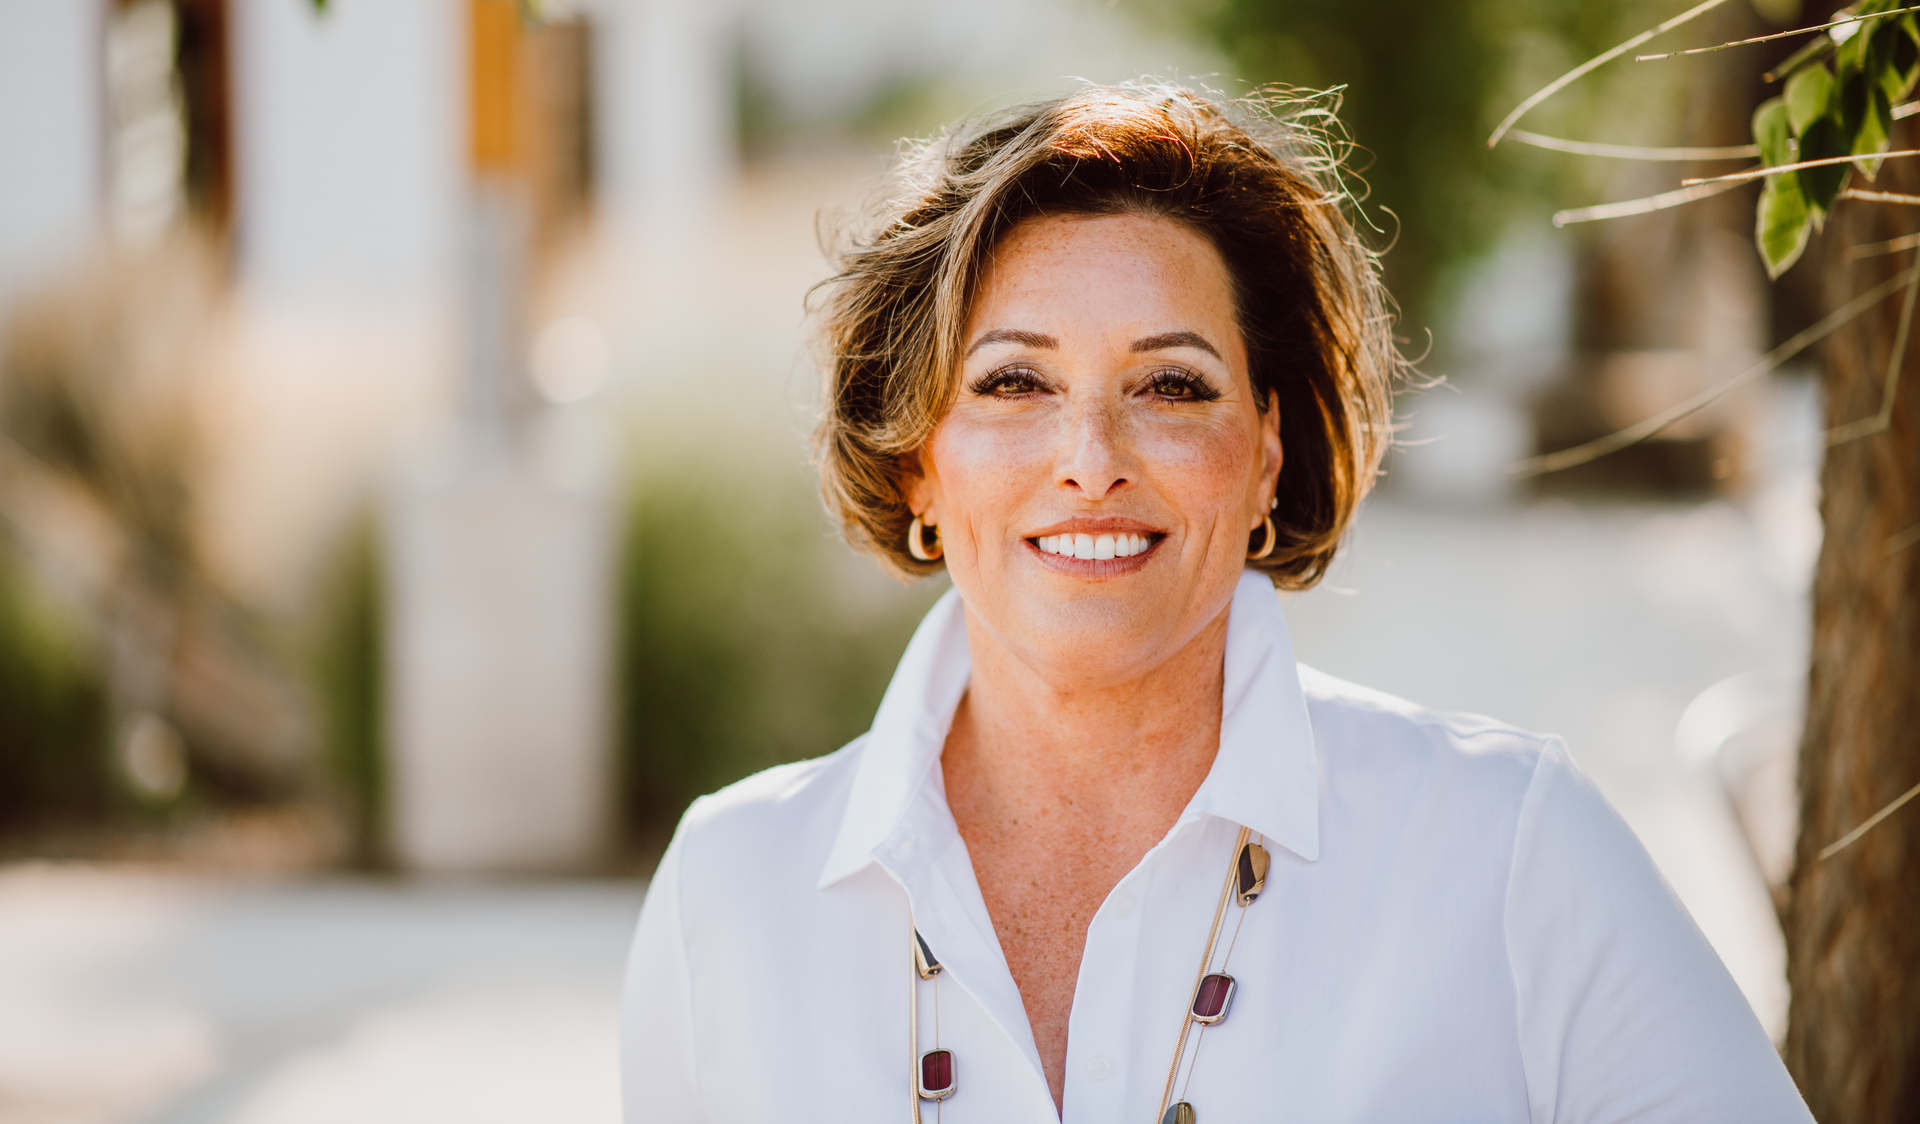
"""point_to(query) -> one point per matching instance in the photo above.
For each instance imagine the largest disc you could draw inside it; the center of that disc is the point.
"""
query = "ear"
(1273, 455)
(916, 483)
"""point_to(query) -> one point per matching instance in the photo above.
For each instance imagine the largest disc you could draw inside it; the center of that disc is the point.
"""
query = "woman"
(1120, 366)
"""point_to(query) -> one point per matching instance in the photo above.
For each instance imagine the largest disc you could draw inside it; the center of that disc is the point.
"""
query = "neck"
(1122, 758)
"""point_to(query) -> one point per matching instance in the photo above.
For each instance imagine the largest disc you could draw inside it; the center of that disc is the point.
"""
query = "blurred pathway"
(165, 999)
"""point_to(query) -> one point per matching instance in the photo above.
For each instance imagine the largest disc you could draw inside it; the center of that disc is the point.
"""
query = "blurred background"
(405, 506)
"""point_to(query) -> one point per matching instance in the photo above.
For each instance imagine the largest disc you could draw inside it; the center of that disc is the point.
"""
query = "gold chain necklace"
(935, 1077)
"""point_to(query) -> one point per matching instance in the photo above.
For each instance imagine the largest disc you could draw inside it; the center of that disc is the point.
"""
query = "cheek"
(984, 466)
(1198, 463)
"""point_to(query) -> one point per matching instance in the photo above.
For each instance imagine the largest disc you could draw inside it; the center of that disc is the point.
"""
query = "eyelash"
(991, 382)
(1195, 387)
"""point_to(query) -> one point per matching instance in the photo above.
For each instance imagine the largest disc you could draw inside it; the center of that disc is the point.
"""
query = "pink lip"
(1098, 525)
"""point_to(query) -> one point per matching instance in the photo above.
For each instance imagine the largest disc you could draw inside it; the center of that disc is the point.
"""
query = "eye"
(1008, 382)
(1176, 385)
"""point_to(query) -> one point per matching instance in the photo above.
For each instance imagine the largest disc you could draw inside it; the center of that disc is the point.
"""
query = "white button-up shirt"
(1456, 927)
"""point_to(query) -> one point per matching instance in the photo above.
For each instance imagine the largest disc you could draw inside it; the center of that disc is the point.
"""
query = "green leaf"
(1809, 94)
(1822, 140)
(1781, 224)
(1870, 136)
(1851, 55)
(1896, 58)
(1771, 132)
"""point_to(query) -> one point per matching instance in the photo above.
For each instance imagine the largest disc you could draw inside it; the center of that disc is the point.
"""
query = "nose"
(1096, 461)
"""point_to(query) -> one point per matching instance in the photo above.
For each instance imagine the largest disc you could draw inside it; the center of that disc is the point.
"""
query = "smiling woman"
(1120, 366)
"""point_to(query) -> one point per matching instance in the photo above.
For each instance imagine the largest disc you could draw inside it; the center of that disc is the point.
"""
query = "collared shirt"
(1455, 927)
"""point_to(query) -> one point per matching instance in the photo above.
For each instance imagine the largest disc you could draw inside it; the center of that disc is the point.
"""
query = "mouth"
(1096, 552)
(1096, 548)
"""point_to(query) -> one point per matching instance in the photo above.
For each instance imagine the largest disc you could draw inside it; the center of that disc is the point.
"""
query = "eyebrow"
(1014, 335)
(1166, 340)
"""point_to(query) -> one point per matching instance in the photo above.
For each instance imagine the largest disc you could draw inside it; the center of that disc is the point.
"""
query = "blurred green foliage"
(347, 672)
(749, 634)
(53, 714)
(1425, 83)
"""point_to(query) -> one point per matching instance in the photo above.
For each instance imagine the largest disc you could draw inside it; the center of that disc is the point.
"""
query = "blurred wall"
(349, 150)
(50, 135)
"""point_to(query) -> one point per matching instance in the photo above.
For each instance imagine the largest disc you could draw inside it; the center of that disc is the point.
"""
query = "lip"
(1098, 525)
(1096, 569)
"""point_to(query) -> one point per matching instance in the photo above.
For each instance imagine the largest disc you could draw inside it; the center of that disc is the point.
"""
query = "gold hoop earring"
(917, 541)
(1266, 542)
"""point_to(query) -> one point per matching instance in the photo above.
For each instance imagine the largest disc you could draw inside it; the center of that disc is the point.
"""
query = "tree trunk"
(1852, 921)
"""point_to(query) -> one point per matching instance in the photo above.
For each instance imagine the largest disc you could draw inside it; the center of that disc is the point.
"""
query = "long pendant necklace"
(934, 1073)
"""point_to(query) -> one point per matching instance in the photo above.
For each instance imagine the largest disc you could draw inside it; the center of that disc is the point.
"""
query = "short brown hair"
(1264, 190)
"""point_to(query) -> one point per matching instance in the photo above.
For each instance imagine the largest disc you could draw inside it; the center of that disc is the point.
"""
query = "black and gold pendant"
(1251, 876)
(1180, 1112)
(924, 962)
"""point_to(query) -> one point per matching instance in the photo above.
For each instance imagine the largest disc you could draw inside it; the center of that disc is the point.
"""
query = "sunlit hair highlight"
(1259, 177)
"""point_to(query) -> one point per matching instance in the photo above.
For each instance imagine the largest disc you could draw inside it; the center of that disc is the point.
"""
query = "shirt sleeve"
(657, 1079)
(1625, 1011)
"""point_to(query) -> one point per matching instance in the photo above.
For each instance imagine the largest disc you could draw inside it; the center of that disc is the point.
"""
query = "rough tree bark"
(1852, 921)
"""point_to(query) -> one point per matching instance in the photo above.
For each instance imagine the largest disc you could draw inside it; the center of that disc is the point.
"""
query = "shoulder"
(1351, 721)
(779, 822)
(1385, 760)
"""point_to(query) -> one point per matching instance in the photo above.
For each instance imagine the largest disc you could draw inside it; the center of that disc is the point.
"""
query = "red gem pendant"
(1211, 1001)
(936, 1075)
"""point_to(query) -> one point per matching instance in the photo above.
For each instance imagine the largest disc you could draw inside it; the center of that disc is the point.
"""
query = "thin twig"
(1776, 35)
(1775, 169)
(1846, 840)
(1573, 75)
(1903, 540)
(1635, 434)
(1879, 249)
(1799, 58)
(1640, 206)
(1905, 109)
(1635, 152)
(1882, 419)
(1880, 197)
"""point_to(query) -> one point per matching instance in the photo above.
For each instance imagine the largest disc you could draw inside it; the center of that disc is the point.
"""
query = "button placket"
(1098, 1090)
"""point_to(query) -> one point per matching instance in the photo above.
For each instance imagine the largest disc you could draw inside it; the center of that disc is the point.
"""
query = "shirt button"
(905, 846)
(1123, 903)
(1099, 1068)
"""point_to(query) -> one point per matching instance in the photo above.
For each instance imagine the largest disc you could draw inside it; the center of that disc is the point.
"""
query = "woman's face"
(1104, 462)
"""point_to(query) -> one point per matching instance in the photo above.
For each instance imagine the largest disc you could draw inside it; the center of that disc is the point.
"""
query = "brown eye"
(1007, 384)
(1180, 386)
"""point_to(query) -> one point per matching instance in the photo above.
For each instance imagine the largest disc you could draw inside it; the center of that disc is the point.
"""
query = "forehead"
(1070, 274)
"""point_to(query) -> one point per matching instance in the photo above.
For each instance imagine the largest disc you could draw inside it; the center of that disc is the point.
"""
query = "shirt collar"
(1265, 775)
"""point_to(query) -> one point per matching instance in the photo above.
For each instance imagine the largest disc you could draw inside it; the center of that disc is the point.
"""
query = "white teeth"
(1094, 547)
